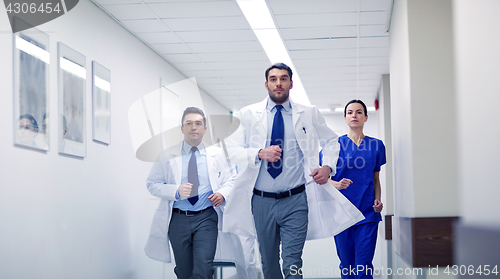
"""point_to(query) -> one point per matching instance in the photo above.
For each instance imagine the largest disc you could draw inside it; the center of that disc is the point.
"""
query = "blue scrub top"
(358, 163)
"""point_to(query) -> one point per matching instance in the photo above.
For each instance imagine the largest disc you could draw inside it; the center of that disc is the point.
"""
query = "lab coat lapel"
(175, 158)
(262, 114)
(297, 111)
(210, 155)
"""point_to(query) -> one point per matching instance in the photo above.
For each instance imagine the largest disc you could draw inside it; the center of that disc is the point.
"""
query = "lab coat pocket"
(160, 223)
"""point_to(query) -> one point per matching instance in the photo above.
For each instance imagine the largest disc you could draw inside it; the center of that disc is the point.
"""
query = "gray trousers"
(194, 240)
(281, 221)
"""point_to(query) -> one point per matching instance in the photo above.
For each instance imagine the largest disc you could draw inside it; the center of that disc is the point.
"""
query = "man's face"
(193, 128)
(278, 85)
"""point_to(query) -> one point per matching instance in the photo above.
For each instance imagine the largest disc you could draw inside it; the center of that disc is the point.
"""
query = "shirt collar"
(286, 105)
(186, 148)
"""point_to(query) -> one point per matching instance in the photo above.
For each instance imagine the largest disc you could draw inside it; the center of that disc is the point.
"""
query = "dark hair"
(32, 119)
(193, 110)
(358, 102)
(281, 66)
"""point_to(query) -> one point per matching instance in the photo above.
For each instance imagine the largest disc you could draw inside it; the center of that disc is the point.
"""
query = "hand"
(377, 205)
(216, 199)
(185, 190)
(321, 175)
(270, 154)
(342, 184)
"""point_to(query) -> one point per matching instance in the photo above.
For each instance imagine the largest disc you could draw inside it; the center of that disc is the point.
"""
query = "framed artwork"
(31, 89)
(101, 103)
(72, 76)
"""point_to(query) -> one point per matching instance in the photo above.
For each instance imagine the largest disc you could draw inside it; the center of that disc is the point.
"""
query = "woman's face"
(355, 116)
(26, 132)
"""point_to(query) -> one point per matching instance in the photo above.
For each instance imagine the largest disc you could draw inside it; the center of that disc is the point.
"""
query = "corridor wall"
(65, 217)
(477, 71)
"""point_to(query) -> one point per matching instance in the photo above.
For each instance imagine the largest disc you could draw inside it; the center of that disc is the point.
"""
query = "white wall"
(65, 217)
(386, 174)
(478, 98)
(433, 108)
(401, 110)
(423, 112)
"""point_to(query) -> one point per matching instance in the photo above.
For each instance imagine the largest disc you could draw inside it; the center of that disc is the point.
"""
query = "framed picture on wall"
(101, 103)
(31, 89)
(72, 76)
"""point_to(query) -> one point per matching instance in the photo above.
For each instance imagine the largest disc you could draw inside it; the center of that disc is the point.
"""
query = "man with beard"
(277, 144)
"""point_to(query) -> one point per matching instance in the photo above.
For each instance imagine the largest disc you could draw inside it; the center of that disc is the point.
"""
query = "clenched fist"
(270, 154)
(185, 190)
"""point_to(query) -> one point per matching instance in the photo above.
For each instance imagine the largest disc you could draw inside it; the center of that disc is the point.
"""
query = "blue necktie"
(277, 138)
(193, 176)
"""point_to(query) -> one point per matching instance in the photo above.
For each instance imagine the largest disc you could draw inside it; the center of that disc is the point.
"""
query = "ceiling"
(212, 41)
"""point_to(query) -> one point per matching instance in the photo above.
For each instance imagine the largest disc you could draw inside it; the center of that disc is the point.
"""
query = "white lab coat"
(163, 181)
(329, 211)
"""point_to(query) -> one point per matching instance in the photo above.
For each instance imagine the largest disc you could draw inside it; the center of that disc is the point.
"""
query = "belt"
(189, 212)
(286, 194)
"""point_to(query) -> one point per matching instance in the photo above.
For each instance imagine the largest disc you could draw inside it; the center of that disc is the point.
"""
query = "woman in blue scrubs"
(357, 177)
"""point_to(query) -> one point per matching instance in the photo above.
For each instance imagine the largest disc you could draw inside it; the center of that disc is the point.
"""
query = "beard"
(279, 99)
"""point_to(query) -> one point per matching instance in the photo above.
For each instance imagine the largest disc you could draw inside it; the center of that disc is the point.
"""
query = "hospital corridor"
(158, 139)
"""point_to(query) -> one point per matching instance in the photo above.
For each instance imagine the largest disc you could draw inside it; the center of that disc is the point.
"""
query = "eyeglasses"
(27, 127)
